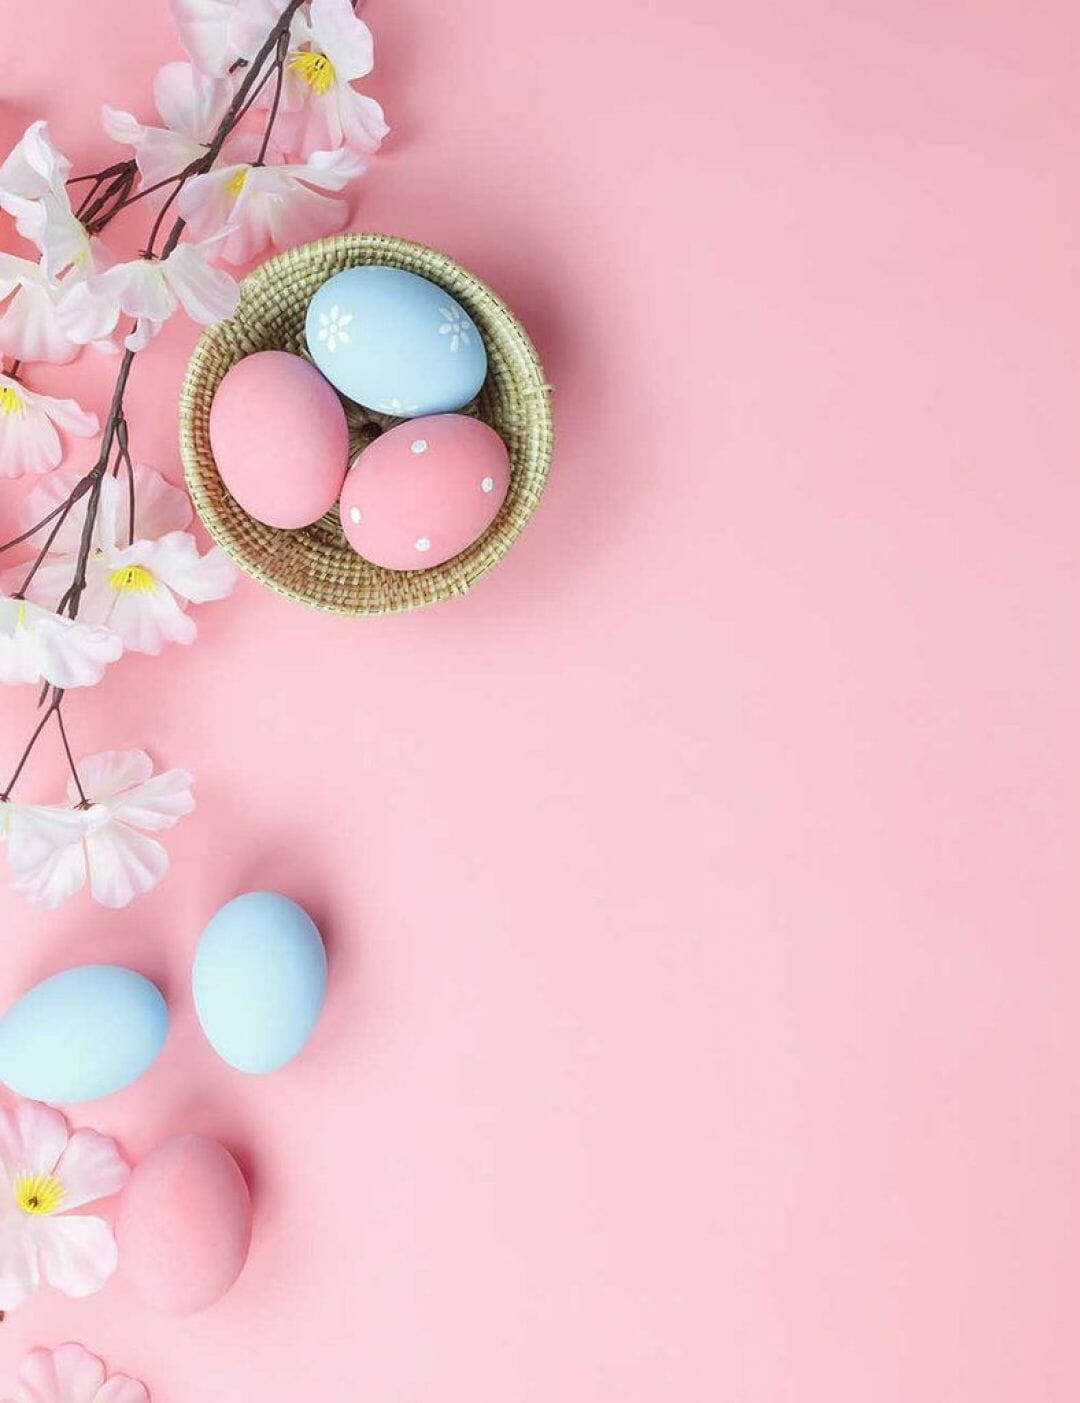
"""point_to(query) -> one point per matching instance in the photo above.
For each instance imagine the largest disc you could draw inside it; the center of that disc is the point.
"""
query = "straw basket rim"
(315, 565)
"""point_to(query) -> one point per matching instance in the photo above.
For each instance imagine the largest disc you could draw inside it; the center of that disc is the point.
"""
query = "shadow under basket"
(316, 565)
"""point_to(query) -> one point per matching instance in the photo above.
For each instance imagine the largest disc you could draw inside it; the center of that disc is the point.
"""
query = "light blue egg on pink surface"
(258, 980)
(395, 342)
(81, 1034)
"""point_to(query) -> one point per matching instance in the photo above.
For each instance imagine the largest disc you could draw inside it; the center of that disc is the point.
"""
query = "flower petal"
(123, 864)
(29, 442)
(344, 39)
(159, 152)
(34, 165)
(38, 645)
(159, 803)
(121, 1389)
(77, 1252)
(55, 879)
(37, 832)
(30, 328)
(32, 1138)
(109, 773)
(189, 102)
(18, 1268)
(208, 294)
(90, 1168)
(175, 560)
(84, 315)
(69, 1374)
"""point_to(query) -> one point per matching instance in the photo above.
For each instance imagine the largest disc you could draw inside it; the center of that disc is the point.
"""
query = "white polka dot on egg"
(423, 543)
(354, 515)
(487, 483)
(419, 445)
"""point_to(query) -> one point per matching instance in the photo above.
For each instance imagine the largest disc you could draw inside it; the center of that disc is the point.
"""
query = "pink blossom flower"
(29, 441)
(218, 32)
(253, 206)
(140, 593)
(330, 48)
(151, 290)
(159, 508)
(37, 645)
(114, 853)
(45, 1172)
(34, 166)
(30, 326)
(190, 104)
(71, 1374)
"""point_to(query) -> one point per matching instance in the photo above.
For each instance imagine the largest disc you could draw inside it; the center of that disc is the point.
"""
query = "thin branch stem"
(67, 748)
(279, 69)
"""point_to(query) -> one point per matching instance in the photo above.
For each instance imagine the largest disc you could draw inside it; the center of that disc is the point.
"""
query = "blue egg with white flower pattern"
(395, 342)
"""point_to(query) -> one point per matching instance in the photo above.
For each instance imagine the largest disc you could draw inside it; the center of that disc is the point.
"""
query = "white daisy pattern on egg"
(332, 328)
(456, 326)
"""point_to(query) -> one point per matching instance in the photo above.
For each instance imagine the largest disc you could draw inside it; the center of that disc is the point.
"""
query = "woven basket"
(316, 565)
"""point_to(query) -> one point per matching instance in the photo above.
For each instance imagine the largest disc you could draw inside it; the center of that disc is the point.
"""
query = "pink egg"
(424, 490)
(183, 1225)
(279, 438)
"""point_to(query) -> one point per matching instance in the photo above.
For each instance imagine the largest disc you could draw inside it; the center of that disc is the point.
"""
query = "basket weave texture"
(316, 565)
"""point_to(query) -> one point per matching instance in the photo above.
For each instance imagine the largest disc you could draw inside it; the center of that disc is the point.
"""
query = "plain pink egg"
(183, 1225)
(424, 490)
(279, 439)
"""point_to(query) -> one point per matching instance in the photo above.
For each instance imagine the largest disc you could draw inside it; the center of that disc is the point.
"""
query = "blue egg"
(395, 342)
(259, 979)
(81, 1034)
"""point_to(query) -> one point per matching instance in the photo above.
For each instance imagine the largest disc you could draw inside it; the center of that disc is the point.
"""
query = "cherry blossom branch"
(113, 184)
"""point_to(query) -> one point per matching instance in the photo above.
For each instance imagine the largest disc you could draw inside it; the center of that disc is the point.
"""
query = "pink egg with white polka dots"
(424, 491)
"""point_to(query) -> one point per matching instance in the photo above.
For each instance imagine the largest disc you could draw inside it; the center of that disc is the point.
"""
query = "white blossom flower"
(116, 855)
(50, 315)
(334, 328)
(456, 325)
(330, 48)
(260, 205)
(190, 104)
(34, 165)
(30, 326)
(218, 32)
(37, 645)
(140, 592)
(29, 442)
(151, 289)
(159, 508)
(71, 1374)
(45, 1172)
(33, 832)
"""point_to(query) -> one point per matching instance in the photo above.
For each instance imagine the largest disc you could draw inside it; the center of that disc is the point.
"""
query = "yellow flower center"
(11, 402)
(38, 1193)
(316, 70)
(132, 579)
(239, 180)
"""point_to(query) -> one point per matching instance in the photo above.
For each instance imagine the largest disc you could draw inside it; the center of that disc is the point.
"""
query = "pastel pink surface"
(183, 1225)
(424, 490)
(279, 438)
(703, 1018)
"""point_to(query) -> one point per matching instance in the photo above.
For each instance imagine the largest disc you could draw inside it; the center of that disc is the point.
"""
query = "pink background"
(703, 1012)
